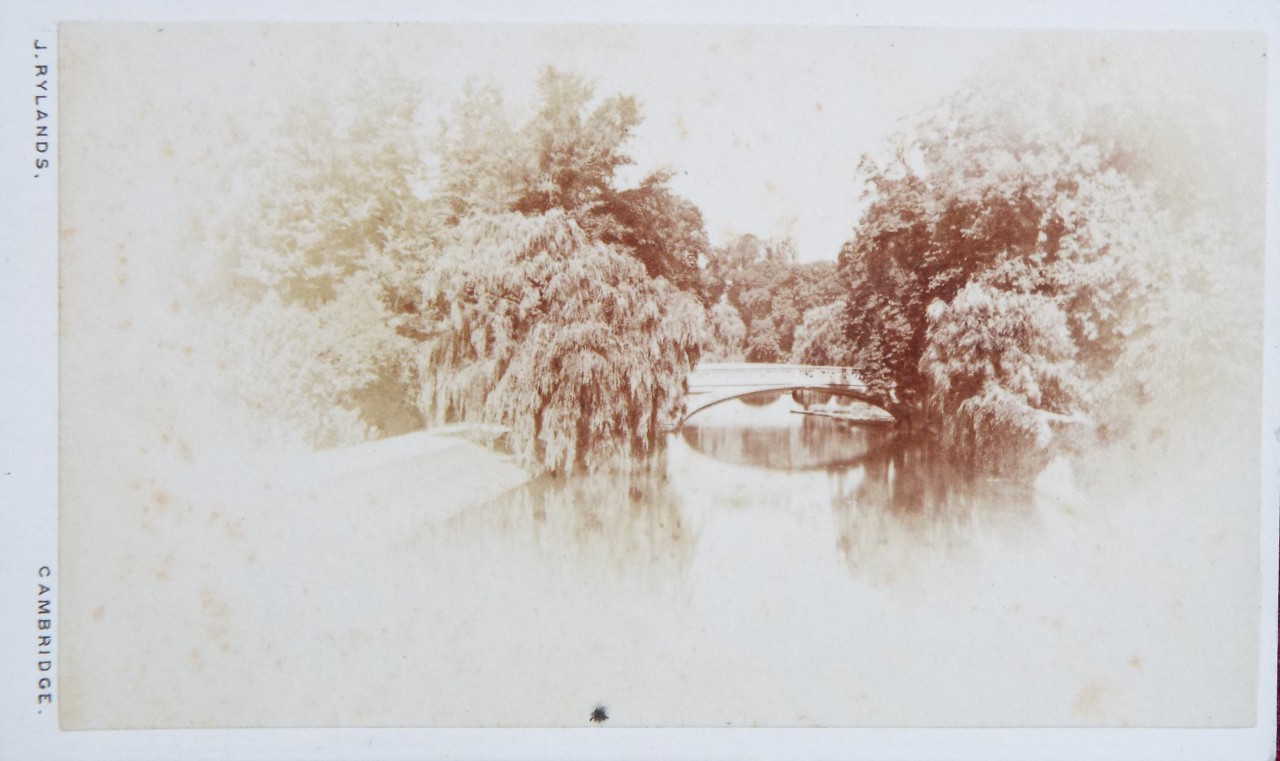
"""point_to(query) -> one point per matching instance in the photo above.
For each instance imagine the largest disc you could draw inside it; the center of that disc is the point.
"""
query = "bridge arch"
(842, 391)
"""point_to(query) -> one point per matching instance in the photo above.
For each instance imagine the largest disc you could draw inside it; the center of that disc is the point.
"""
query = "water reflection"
(624, 522)
(911, 475)
(891, 495)
(812, 444)
(911, 497)
(890, 498)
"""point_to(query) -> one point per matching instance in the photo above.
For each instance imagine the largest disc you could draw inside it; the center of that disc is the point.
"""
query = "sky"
(764, 126)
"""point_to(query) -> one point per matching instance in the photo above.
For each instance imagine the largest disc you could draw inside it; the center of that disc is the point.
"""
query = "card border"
(28, 444)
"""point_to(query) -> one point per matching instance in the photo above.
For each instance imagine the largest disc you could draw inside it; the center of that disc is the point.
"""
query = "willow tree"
(534, 325)
(561, 303)
(1002, 368)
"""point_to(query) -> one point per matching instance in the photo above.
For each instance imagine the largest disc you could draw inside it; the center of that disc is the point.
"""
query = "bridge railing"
(762, 374)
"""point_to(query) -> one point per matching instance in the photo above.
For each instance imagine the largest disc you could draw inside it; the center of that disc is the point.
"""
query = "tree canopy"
(555, 306)
(770, 291)
(1018, 254)
(1031, 260)
(497, 273)
(565, 156)
(534, 325)
(324, 272)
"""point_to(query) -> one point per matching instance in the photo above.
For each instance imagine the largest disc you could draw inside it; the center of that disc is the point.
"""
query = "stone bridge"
(711, 383)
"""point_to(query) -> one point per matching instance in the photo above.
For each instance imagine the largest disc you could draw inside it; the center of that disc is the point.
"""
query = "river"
(784, 569)
(772, 569)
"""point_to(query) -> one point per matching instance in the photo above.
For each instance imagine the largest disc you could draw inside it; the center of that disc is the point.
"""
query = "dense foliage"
(762, 281)
(325, 276)
(1032, 266)
(728, 334)
(554, 307)
(564, 339)
(1020, 268)
(500, 276)
(820, 337)
(565, 157)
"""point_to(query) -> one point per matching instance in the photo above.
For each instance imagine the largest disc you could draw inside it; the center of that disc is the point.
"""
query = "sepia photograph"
(649, 375)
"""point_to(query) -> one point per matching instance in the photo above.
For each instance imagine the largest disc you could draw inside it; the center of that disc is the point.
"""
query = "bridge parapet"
(712, 383)
(720, 374)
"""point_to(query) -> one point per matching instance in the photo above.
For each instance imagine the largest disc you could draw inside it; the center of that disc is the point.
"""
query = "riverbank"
(440, 472)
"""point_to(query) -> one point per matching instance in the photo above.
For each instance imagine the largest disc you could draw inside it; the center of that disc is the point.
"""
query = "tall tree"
(565, 156)
(555, 306)
(573, 152)
(478, 157)
(1018, 264)
(565, 339)
(325, 272)
(661, 229)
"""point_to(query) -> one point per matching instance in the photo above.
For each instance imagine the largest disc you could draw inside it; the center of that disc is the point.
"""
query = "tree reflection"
(913, 494)
(604, 522)
(814, 444)
(893, 494)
